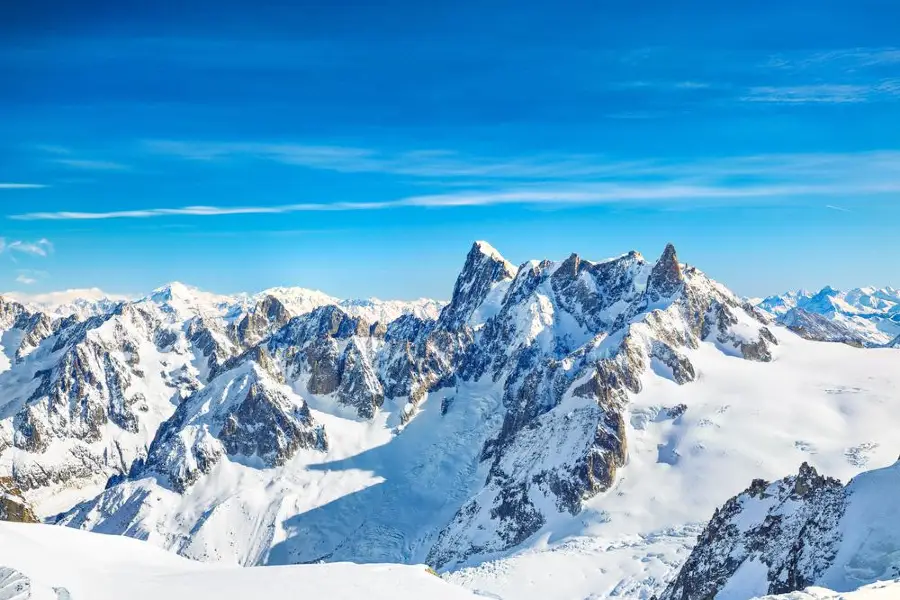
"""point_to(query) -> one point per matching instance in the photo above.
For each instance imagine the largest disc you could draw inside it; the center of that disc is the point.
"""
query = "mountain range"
(862, 316)
(556, 410)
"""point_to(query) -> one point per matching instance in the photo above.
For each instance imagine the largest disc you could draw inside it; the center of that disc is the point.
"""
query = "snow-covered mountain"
(800, 531)
(555, 349)
(546, 416)
(82, 396)
(861, 316)
(82, 303)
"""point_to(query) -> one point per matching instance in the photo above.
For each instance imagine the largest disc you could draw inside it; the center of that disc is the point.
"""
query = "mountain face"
(82, 399)
(570, 343)
(484, 273)
(533, 368)
(861, 316)
(13, 507)
(241, 414)
(803, 530)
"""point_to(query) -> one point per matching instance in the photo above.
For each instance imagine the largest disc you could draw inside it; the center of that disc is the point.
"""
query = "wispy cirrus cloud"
(843, 58)
(568, 196)
(417, 163)
(741, 179)
(888, 89)
(67, 157)
(839, 76)
(21, 186)
(91, 165)
(42, 247)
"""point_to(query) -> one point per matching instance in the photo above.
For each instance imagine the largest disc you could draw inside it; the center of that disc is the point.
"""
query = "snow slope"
(883, 590)
(63, 564)
(829, 404)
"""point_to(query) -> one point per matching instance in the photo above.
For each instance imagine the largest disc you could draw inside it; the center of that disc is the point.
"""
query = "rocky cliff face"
(485, 269)
(789, 528)
(240, 414)
(804, 530)
(813, 326)
(13, 507)
(569, 344)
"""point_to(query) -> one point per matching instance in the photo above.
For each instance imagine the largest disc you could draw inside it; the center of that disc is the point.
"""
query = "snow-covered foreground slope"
(832, 405)
(883, 590)
(55, 563)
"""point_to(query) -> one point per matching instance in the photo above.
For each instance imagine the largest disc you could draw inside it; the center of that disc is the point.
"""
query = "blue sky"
(360, 148)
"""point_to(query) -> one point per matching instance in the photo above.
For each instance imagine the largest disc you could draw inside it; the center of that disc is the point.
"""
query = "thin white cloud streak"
(26, 280)
(583, 195)
(838, 208)
(21, 186)
(887, 89)
(91, 165)
(761, 178)
(851, 58)
(450, 166)
(420, 163)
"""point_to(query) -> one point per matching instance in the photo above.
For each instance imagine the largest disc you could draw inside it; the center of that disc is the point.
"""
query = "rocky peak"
(359, 384)
(324, 322)
(484, 268)
(242, 413)
(666, 277)
(266, 316)
(36, 327)
(10, 312)
(791, 526)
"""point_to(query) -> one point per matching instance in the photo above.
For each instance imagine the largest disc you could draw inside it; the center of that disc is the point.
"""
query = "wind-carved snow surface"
(562, 429)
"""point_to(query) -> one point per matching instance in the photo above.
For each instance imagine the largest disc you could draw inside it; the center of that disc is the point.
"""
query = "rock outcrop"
(804, 530)
(13, 507)
(241, 414)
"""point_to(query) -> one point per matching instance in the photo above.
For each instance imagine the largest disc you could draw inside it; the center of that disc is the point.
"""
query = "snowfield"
(41, 562)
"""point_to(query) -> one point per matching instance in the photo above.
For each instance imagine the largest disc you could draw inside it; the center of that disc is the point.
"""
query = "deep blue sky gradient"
(759, 137)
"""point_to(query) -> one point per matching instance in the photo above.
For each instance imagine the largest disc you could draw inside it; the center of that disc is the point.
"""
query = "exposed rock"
(812, 326)
(267, 316)
(13, 507)
(324, 361)
(563, 387)
(859, 317)
(666, 278)
(484, 269)
(241, 414)
(790, 526)
(359, 387)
